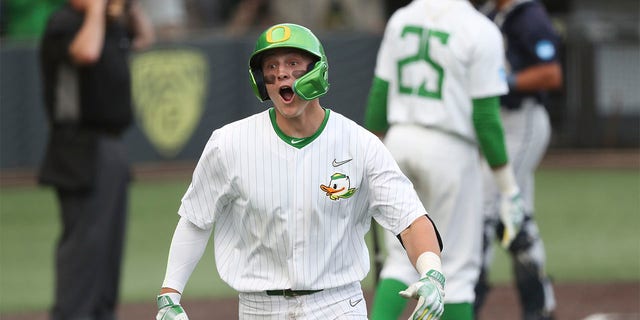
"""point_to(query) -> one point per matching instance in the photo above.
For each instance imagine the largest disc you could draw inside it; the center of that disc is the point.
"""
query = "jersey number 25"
(425, 37)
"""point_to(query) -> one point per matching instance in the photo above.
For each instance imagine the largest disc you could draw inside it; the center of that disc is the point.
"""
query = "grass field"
(588, 218)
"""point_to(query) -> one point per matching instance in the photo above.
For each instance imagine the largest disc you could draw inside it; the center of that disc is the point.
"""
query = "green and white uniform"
(438, 59)
(293, 213)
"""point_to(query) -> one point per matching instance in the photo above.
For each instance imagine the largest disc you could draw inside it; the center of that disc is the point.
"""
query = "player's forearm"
(187, 247)
(376, 113)
(486, 120)
(144, 34)
(540, 77)
(86, 46)
(488, 127)
(420, 237)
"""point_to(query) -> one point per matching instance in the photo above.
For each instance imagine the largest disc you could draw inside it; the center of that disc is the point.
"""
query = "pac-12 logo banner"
(169, 90)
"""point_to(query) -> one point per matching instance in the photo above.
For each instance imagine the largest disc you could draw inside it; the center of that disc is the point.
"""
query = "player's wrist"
(168, 299)
(506, 180)
(428, 261)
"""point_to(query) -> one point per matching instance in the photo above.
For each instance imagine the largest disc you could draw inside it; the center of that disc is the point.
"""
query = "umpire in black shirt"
(84, 59)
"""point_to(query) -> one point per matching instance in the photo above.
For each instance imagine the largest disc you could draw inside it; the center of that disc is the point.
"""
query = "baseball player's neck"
(300, 123)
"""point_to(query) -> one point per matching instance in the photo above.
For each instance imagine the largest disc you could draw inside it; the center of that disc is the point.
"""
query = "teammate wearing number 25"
(289, 194)
(435, 101)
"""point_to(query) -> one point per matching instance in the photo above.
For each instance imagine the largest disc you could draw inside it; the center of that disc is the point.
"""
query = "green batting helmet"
(312, 84)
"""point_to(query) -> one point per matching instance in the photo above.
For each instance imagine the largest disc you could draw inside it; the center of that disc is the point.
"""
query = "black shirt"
(96, 96)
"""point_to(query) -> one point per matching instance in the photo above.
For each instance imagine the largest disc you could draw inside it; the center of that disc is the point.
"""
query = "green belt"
(291, 293)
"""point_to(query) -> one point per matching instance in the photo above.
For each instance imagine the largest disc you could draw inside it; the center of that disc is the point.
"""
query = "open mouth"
(286, 93)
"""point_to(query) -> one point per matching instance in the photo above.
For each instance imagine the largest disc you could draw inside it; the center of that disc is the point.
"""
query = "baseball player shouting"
(289, 194)
(435, 98)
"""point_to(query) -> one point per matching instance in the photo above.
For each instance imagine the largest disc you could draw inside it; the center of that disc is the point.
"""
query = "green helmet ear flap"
(314, 83)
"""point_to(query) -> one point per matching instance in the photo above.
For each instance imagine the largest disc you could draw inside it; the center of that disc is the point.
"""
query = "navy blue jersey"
(530, 39)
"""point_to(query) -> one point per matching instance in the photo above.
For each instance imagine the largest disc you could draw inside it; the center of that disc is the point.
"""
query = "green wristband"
(436, 275)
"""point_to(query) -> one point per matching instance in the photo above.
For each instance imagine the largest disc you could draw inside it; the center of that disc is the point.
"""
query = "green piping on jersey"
(486, 121)
(297, 142)
(375, 118)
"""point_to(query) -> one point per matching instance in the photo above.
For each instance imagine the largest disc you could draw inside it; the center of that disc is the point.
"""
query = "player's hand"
(168, 309)
(511, 216)
(429, 291)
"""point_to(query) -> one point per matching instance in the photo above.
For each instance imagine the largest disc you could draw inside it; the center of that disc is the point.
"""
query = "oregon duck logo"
(339, 187)
(169, 88)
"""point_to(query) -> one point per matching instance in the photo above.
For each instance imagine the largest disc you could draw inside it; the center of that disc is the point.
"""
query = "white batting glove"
(511, 205)
(429, 291)
(511, 216)
(169, 307)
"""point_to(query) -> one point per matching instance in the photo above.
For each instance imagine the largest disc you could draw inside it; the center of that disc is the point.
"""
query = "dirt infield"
(615, 301)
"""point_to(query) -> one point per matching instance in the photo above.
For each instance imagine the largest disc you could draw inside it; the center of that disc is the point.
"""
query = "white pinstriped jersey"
(288, 217)
(436, 56)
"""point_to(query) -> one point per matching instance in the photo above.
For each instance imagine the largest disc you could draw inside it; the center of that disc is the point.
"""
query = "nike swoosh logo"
(294, 141)
(339, 163)
(354, 303)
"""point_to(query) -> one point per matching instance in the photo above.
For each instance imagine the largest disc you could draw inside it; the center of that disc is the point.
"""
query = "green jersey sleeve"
(488, 126)
(375, 118)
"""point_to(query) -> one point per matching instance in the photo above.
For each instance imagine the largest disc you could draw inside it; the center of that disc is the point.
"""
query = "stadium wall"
(184, 90)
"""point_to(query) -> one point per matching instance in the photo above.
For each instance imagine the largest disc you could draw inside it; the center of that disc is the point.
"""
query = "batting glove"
(429, 291)
(512, 216)
(169, 307)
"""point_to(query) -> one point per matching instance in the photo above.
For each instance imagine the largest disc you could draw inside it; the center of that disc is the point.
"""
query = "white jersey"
(437, 55)
(288, 217)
